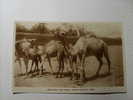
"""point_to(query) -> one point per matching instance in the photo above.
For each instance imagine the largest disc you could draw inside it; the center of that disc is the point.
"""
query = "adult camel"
(22, 48)
(89, 45)
(56, 49)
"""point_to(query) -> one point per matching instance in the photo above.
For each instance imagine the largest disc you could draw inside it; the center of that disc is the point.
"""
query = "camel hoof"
(71, 78)
(77, 77)
(109, 73)
(57, 77)
(97, 74)
(83, 80)
(62, 76)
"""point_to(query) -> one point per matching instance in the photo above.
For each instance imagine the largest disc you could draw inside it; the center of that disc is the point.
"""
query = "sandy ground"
(48, 80)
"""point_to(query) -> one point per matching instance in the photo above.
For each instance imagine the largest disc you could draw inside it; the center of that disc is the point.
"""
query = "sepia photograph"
(68, 57)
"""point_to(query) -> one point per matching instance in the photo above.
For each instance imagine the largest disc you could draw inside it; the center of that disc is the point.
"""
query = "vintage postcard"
(68, 57)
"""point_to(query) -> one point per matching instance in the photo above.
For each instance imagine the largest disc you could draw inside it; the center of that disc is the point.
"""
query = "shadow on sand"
(79, 82)
(94, 77)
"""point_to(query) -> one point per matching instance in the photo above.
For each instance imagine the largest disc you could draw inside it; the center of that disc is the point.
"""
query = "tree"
(21, 28)
(40, 28)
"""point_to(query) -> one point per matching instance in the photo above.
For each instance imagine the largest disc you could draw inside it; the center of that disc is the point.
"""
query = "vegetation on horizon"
(41, 28)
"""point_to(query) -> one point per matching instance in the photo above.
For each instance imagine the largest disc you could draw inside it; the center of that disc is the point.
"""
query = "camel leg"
(36, 60)
(49, 60)
(72, 72)
(107, 56)
(100, 65)
(41, 67)
(72, 68)
(36, 64)
(80, 59)
(76, 67)
(58, 72)
(83, 77)
(42, 70)
(26, 65)
(39, 61)
(35, 69)
(62, 67)
(20, 64)
(32, 63)
(108, 60)
(77, 74)
(41, 64)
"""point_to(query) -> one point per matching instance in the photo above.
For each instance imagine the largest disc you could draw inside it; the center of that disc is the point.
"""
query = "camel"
(88, 45)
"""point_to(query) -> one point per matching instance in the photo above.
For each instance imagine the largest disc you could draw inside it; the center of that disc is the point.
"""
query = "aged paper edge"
(94, 90)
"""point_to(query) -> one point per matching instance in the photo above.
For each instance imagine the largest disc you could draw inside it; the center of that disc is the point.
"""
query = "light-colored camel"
(89, 45)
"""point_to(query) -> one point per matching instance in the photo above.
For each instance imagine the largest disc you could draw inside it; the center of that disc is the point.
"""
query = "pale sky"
(103, 29)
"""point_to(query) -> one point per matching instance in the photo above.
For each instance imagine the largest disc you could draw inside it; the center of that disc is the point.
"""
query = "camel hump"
(50, 48)
(94, 43)
(50, 43)
(53, 46)
(90, 36)
(80, 45)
